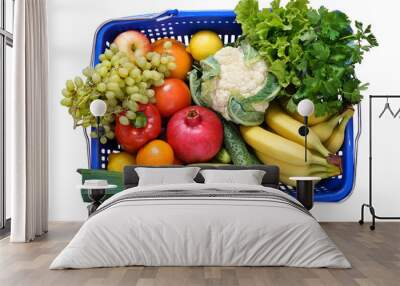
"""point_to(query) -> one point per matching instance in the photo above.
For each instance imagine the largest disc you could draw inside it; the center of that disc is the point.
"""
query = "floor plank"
(375, 257)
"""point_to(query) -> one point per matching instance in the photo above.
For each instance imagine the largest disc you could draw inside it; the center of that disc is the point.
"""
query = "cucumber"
(235, 145)
(255, 159)
(223, 156)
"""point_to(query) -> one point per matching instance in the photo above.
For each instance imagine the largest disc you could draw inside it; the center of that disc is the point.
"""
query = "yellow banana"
(293, 170)
(312, 120)
(288, 127)
(281, 148)
(335, 141)
(324, 130)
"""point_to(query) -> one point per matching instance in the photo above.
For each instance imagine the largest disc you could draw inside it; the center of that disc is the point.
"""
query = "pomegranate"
(195, 133)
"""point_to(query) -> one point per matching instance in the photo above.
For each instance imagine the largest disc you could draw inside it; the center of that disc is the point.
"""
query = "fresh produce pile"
(229, 104)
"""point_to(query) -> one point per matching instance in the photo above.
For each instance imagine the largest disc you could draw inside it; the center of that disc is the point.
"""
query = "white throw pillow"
(247, 177)
(164, 176)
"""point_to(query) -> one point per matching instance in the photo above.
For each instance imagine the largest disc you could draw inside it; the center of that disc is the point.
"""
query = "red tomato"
(172, 96)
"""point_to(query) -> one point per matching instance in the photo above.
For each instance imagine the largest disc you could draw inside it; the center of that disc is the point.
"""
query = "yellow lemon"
(117, 161)
(204, 44)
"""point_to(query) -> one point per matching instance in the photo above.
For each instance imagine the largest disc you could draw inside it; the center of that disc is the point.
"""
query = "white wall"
(71, 27)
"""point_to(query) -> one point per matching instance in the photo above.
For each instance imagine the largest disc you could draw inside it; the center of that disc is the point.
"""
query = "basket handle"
(356, 142)
(167, 14)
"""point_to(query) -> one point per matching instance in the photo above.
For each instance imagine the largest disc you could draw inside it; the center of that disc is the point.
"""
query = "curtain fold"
(28, 116)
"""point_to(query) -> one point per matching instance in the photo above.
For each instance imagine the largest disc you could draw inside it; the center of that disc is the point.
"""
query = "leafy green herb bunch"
(312, 52)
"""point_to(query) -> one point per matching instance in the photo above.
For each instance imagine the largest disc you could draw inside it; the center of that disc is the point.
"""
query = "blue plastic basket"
(181, 25)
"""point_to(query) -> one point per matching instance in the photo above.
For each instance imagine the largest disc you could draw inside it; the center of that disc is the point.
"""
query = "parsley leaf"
(312, 52)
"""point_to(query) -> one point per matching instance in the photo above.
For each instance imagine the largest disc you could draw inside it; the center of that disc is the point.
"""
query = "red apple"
(133, 43)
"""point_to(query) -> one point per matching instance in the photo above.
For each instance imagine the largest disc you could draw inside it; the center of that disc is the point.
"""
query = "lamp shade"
(305, 107)
(98, 107)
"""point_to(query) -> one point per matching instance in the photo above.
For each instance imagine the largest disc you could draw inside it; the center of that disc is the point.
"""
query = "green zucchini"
(235, 145)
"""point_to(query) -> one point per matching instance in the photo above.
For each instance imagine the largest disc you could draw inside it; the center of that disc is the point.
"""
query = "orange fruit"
(155, 153)
(183, 59)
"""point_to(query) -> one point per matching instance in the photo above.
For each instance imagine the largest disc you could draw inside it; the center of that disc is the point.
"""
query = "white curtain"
(28, 118)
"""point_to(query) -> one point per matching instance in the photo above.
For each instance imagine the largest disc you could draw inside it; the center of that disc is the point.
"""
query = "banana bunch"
(283, 146)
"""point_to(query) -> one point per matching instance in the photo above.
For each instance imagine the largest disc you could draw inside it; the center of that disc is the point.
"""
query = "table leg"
(305, 193)
(95, 195)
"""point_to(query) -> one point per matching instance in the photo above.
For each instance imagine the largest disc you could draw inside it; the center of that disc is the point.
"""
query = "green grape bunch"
(120, 82)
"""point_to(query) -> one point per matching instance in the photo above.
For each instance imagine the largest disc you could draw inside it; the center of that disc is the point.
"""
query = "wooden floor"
(375, 257)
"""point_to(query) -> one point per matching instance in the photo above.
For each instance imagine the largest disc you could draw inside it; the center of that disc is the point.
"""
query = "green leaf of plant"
(269, 91)
(239, 115)
(251, 56)
(208, 88)
(320, 51)
(195, 88)
(278, 69)
(210, 67)
(246, 14)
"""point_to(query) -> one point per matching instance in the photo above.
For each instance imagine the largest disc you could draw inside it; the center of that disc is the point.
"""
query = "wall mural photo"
(215, 87)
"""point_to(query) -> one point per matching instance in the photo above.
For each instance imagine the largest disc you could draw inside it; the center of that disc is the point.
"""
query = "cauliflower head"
(237, 77)
(234, 82)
